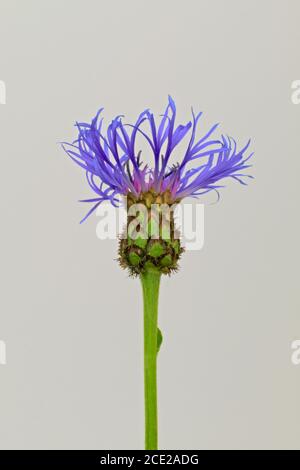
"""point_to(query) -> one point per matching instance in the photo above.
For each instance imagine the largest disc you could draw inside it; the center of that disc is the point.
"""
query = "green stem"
(150, 283)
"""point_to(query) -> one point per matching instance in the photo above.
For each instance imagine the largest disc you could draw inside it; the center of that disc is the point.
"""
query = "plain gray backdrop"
(70, 318)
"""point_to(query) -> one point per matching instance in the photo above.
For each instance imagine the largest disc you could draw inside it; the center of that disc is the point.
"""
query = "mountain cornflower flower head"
(115, 168)
(116, 172)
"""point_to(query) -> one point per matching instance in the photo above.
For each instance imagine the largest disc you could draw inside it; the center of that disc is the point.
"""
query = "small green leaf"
(140, 242)
(134, 259)
(176, 246)
(149, 266)
(156, 250)
(166, 261)
(159, 339)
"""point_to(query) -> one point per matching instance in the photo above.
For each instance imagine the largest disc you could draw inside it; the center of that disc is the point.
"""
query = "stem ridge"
(150, 284)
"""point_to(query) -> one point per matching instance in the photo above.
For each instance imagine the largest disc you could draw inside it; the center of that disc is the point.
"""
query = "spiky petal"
(114, 166)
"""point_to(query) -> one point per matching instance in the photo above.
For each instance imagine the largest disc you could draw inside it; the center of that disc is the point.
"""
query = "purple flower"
(114, 166)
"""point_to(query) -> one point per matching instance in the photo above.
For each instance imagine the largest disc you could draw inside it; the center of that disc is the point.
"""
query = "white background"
(70, 318)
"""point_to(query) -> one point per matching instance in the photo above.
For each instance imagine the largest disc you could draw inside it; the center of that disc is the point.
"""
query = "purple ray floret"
(114, 166)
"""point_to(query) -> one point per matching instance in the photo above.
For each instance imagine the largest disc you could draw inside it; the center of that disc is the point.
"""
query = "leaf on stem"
(159, 339)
